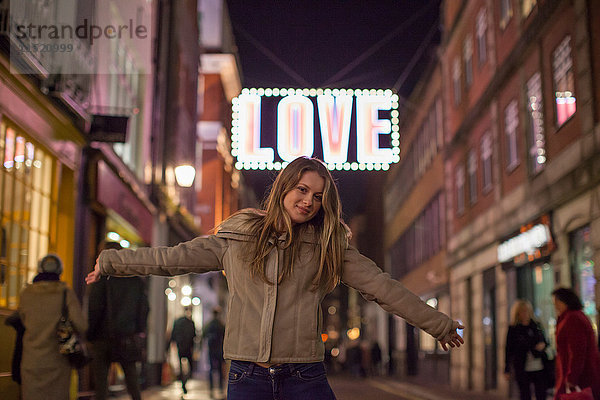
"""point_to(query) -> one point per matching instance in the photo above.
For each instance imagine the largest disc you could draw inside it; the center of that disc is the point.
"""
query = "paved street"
(345, 388)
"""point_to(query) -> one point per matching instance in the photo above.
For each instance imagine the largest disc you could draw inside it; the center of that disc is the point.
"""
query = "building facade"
(521, 126)
(515, 170)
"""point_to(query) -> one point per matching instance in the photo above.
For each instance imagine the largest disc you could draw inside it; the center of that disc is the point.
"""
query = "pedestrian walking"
(577, 356)
(280, 262)
(45, 373)
(213, 334)
(376, 358)
(183, 334)
(525, 352)
(117, 313)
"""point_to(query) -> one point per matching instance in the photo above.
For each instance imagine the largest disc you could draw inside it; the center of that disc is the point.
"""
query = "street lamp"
(185, 174)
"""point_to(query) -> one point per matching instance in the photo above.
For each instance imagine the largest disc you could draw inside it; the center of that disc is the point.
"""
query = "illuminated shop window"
(582, 270)
(537, 140)
(468, 59)
(460, 189)
(456, 81)
(511, 123)
(481, 34)
(564, 83)
(472, 164)
(27, 206)
(486, 162)
(506, 12)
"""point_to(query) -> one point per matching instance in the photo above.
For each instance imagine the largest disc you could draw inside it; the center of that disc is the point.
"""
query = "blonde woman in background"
(525, 346)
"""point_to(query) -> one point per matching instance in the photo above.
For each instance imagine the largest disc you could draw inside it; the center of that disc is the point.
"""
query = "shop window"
(27, 206)
(456, 81)
(481, 34)
(563, 77)
(511, 122)
(486, 162)
(582, 271)
(506, 12)
(468, 59)
(460, 190)
(535, 282)
(536, 137)
(472, 176)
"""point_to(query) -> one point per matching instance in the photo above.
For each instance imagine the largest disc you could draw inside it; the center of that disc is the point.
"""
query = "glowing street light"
(185, 174)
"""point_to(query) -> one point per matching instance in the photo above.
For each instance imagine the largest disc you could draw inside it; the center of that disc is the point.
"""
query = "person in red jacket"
(578, 359)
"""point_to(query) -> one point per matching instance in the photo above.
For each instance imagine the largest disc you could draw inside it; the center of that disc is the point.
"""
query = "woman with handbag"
(45, 372)
(280, 263)
(577, 357)
(525, 346)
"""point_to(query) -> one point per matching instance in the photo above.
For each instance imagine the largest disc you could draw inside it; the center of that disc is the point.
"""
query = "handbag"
(69, 342)
(578, 394)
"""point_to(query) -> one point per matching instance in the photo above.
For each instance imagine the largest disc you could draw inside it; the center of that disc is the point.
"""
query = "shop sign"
(527, 242)
(348, 129)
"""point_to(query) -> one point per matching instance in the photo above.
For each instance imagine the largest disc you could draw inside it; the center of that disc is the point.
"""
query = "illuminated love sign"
(376, 136)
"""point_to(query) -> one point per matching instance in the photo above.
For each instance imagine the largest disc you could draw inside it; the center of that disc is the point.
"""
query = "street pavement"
(345, 388)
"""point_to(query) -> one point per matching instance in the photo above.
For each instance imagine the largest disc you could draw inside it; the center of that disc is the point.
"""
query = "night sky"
(338, 44)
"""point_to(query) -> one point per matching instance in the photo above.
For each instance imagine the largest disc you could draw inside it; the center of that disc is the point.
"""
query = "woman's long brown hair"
(331, 232)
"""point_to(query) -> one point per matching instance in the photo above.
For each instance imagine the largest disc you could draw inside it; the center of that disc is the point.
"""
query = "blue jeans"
(248, 381)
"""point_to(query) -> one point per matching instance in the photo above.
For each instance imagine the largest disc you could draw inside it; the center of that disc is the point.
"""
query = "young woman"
(279, 264)
(577, 355)
(525, 345)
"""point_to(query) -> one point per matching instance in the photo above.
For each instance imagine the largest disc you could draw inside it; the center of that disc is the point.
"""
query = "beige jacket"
(281, 322)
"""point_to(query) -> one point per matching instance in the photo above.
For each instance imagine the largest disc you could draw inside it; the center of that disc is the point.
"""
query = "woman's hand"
(93, 276)
(452, 338)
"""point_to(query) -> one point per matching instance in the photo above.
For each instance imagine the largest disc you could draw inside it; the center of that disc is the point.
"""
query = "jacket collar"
(238, 227)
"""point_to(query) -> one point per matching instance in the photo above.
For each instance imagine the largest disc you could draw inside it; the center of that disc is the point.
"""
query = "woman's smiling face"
(303, 202)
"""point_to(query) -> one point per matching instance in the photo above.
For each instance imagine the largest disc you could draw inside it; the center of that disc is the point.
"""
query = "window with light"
(472, 176)
(511, 123)
(460, 189)
(481, 33)
(468, 58)
(27, 206)
(563, 77)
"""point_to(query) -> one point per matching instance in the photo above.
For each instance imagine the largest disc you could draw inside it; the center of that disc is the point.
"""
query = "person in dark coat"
(577, 357)
(525, 346)
(14, 320)
(376, 358)
(213, 334)
(183, 334)
(117, 312)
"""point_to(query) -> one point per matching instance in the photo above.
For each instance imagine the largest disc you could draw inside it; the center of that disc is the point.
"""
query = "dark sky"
(334, 43)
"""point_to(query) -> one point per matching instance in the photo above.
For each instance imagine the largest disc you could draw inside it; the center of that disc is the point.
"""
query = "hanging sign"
(533, 241)
(348, 129)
